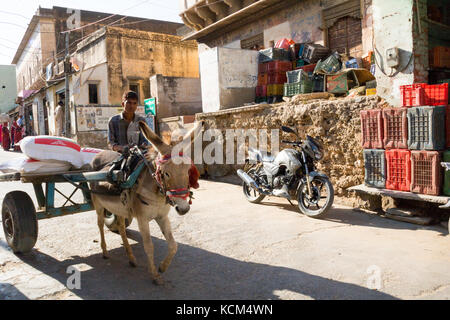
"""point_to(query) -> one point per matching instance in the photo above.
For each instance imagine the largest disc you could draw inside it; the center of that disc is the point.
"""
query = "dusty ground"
(231, 249)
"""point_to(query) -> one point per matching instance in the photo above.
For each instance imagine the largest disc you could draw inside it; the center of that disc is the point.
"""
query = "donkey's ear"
(156, 141)
(191, 135)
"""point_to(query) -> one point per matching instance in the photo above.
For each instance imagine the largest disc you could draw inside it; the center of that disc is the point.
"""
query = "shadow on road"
(352, 217)
(194, 274)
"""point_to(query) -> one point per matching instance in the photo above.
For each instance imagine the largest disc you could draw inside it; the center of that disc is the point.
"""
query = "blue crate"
(374, 168)
(426, 128)
(352, 63)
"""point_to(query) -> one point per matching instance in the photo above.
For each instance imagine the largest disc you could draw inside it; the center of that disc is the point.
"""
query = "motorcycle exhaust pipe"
(248, 180)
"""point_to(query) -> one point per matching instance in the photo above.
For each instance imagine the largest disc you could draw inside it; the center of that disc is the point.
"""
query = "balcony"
(211, 16)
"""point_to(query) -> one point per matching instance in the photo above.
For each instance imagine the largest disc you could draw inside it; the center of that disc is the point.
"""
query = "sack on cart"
(52, 148)
(27, 165)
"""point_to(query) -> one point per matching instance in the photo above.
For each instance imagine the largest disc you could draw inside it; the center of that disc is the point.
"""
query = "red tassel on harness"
(193, 177)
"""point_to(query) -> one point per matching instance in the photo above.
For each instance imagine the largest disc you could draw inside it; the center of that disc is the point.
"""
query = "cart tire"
(19, 221)
(111, 221)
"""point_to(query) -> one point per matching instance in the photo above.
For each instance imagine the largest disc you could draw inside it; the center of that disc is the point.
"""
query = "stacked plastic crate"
(298, 81)
(403, 146)
(272, 68)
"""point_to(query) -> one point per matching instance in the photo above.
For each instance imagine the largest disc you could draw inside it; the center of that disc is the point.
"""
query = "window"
(93, 93)
(254, 42)
(135, 87)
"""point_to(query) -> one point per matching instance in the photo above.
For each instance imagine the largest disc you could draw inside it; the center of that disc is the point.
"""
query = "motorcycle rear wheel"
(321, 201)
(251, 194)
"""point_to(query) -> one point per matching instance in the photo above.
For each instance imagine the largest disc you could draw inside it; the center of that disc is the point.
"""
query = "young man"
(123, 129)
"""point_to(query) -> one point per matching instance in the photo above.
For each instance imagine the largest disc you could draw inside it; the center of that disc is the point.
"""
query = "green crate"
(446, 189)
(292, 89)
(260, 99)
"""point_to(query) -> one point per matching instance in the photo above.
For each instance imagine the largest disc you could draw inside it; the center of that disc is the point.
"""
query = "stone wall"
(335, 121)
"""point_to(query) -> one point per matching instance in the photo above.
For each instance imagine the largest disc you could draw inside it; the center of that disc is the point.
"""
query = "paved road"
(231, 249)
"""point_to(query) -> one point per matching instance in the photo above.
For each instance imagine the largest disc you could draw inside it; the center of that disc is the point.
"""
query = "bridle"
(169, 194)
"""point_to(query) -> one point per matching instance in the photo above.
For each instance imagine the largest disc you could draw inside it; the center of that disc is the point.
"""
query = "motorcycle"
(291, 174)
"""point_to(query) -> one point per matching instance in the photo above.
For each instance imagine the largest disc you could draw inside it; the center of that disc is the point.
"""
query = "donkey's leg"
(123, 234)
(144, 229)
(101, 223)
(164, 225)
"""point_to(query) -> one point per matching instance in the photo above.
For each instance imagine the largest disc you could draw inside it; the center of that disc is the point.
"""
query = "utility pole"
(67, 69)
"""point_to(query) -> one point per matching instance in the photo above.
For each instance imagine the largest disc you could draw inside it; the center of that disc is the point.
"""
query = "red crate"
(262, 79)
(308, 68)
(447, 125)
(262, 68)
(279, 66)
(398, 169)
(436, 94)
(276, 78)
(395, 124)
(413, 95)
(371, 129)
(426, 176)
(261, 91)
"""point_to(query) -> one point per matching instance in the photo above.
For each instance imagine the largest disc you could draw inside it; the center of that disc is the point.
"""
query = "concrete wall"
(393, 27)
(8, 87)
(229, 77)
(176, 96)
(133, 56)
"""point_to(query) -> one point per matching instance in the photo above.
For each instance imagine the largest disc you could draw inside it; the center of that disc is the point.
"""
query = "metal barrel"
(248, 180)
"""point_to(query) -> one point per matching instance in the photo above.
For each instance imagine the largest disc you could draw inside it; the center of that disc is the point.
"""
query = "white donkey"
(150, 198)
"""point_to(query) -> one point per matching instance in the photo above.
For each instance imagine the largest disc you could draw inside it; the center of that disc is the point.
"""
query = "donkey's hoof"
(161, 268)
(158, 281)
(133, 264)
(105, 256)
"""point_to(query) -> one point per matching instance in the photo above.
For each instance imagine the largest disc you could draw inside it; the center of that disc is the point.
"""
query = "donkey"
(145, 201)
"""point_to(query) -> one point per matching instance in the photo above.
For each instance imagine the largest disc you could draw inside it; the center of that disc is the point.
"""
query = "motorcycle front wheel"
(321, 200)
(251, 194)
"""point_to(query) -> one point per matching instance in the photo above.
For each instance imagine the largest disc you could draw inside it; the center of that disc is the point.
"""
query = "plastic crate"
(318, 83)
(398, 169)
(262, 68)
(447, 126)
(426, 171)
(260, 99)
(276, 78)
(374, 168)
(413, 95)
(279, 66)
(275, 90)
(436, 94)
(446, 188)
(308, 68)
(331, 64)
(314, 52)
(371, 91)
(371, 129)
(352, 63)
(292, 89)
(261, 91)
(300, 50)
(273, 54)
(395, 124)
(262, 79)
(426, 128)
(300, 63)
(296, 76)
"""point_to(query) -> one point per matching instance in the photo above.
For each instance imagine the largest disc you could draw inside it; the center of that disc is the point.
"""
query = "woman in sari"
(5, 137)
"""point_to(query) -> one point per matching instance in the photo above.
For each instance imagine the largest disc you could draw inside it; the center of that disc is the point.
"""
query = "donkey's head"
(174, 172)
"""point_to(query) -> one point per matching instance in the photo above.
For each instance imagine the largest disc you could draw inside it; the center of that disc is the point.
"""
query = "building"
(353, 27)
(8, 88)
(109, 54)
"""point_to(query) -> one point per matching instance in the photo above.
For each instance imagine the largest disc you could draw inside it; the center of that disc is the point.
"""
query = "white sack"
(26, 165)
(52, 148)
(87, 154)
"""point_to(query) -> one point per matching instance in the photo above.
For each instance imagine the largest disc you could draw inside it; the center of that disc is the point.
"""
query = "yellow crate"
(275, 90)
(371, 92)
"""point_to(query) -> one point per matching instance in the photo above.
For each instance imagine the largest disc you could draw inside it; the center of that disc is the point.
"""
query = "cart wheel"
(19, 221)
(111, 221)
